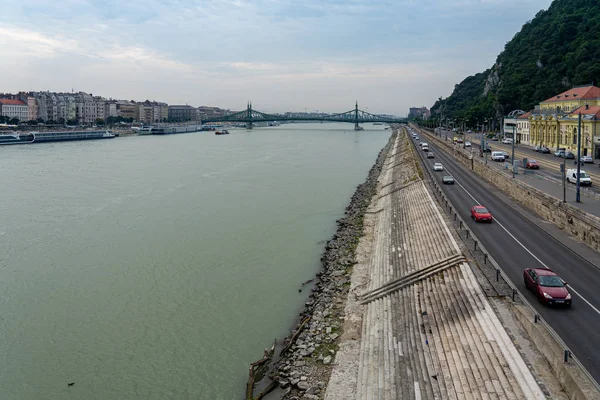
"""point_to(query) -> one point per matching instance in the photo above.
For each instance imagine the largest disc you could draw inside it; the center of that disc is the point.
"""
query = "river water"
(160, 267)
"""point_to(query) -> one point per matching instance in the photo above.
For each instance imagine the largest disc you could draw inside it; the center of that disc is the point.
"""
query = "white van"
(498, 156)
(584, 178)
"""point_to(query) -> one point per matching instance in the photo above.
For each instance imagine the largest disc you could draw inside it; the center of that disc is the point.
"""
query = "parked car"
(507, 141)
(569, 156)
(438, 166)
(498, 156)
(430, 155)
(537, 148)
(547, 286)
(467, 144)
(584, 178)
(448, 180)
(417, 138)
(425, 148)
(532, 164)
(587, 159)
(480, 213)
(559, 153)
(487, 149)
(544, 150)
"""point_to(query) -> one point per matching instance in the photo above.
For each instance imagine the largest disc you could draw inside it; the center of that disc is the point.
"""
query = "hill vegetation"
(558, 49)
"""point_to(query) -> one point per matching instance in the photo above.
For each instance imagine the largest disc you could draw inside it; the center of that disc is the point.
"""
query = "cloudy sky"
(280, 54)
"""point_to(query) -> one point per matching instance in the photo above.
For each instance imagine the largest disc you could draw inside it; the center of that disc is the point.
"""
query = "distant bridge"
(356, 117)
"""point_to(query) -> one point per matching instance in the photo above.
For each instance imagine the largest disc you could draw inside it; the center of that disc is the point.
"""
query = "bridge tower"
(356, 126)
(249, 123)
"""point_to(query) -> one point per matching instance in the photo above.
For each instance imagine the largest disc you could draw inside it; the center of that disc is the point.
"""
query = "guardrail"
(576, 393)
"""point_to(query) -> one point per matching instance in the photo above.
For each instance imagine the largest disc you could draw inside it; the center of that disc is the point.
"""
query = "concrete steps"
(427, 330)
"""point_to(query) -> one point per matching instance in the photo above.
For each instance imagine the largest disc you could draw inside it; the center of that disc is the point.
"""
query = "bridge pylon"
(249, 124)
(357, 127)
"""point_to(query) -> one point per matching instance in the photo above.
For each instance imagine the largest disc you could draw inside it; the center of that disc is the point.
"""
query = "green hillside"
(558, 49)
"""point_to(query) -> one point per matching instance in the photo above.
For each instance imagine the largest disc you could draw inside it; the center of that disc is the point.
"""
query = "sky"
(282, 55)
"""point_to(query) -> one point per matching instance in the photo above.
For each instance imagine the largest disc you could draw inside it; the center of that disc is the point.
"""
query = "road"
(548, 178)
(516, 243)
(549, 163)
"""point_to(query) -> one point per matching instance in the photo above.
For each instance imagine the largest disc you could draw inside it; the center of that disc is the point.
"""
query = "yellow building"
(554, 124)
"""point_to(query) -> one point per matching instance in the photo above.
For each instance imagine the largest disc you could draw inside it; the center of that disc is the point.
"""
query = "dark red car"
(532, 164)
(480, 213)
(547, 286)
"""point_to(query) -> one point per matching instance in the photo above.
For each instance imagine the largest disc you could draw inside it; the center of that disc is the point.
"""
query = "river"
(159, 267)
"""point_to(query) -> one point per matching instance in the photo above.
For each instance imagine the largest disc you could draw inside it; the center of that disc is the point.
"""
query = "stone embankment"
(425, 328)
(305, 364)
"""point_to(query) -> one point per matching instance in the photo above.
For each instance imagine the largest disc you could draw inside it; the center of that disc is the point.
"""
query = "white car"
(438, 166)
(467, 144)
(587, 159)
(507, 140)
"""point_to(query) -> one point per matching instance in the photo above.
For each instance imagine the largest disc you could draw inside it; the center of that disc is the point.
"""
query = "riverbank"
(305, 361)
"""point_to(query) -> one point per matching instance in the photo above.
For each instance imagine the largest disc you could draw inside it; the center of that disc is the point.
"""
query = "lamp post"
(578, 194)
(513, 146)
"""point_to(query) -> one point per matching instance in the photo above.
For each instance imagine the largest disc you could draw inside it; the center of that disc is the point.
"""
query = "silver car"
(587, 159)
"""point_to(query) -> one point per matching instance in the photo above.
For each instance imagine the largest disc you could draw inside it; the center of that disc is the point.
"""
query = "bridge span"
(250, 116)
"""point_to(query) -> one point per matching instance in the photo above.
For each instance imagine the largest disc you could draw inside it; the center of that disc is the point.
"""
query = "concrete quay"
(417, 325)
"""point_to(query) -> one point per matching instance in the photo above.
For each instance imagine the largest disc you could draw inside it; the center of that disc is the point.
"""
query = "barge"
(40, 137)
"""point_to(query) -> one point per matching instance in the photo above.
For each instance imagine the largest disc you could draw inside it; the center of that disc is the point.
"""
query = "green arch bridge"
(356, 117)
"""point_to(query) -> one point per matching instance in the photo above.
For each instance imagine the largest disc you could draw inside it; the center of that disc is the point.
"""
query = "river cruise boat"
(40, 137)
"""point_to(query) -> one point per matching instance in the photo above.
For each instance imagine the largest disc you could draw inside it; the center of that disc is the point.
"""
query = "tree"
(40, 120)
(14, 121)
(61, 121)
(32, 122)
(99, 121)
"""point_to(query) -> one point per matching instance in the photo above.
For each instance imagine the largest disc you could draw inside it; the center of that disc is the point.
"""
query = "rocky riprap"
(305, 364)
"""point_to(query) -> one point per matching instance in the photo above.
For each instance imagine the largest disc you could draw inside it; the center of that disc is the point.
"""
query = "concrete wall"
(573, 380)
(578, 223)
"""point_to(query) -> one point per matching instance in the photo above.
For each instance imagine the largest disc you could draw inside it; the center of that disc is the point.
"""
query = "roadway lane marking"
(523, 246)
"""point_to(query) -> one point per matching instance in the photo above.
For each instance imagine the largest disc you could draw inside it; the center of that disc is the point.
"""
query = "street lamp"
(578, 194)
(514, 126)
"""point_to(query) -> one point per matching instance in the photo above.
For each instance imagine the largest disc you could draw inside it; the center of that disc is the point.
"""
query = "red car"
(480, 213)
(532, 164)
(547, 286)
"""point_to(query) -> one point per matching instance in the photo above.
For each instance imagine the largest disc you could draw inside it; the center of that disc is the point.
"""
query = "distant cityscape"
(82, 108)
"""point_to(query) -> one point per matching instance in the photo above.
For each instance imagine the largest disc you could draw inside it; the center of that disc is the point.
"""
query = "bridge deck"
(434, 335)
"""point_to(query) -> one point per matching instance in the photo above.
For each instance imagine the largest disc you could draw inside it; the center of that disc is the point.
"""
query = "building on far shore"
(12, 108)
(180, 113)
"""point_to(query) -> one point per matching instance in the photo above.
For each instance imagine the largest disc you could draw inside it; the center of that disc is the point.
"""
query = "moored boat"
(40, 137)
(223, 132)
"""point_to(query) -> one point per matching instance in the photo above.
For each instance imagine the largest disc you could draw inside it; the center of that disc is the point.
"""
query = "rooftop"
(590, 111)
(577, 93)
(12, 102)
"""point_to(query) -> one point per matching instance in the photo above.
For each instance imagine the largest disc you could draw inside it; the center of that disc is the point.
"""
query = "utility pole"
(513, 152)
(578, 195)
(564, 178)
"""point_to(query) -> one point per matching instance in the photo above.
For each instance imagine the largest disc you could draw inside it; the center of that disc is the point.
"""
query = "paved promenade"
(427, 329)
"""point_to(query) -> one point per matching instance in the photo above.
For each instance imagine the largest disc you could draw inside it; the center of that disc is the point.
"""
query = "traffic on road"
(518, 245)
